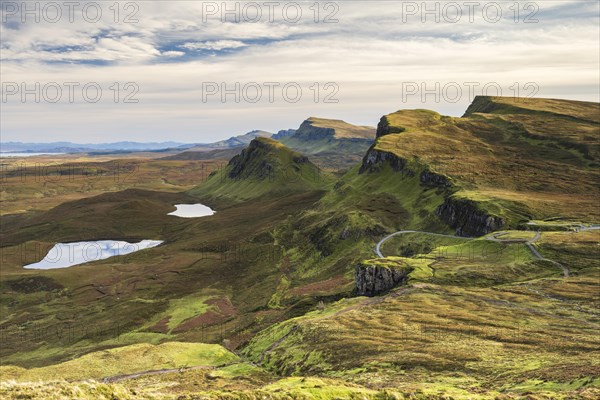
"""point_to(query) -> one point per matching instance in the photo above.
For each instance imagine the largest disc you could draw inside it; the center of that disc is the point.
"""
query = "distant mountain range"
(69, 147)
(124, 146)
(326, 139)
(234, 141)
(331, 143)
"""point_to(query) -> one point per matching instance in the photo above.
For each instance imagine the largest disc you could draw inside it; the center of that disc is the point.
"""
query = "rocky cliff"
(463, 215)
(320, 128)
(309, 131)
(252, 162)
(374, 277)
(468, 219)
(283, 134)
(261, 159)
(384, 127)
(375, 160)
(434, 180)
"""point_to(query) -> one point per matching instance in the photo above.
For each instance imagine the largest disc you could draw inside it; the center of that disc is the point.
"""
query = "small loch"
(64, 255)
(192, 211)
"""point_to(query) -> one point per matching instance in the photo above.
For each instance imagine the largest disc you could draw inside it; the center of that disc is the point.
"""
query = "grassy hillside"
(127, 360)
(518, 159)
(270, 276)
(181, 290)
(481, 323)
(264, 167)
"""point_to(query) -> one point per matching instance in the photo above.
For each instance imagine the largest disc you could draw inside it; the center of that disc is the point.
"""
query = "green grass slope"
(264, 167)
(508, 160)
(476, 320)
(519, 159)
(127, 360)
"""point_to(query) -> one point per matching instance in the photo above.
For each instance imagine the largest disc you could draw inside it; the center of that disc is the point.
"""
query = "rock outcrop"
(432, 179)
(461, 214)
(468, 220)
(251, 162)
(374, 279)
(384, 128)
(320, 128)
(260, 160)
(375, 160)
(309, 131)
(283, 134)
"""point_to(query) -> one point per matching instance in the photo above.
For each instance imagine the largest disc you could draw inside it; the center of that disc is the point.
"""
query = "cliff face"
(309, 131)
(372, 280)
(320, 128)
(384, 127)
(462, 215)
(468, 220)
(374, 161)
(283, 134)
(252, 162)
(262, 158)
(481, 104)
(431, 179)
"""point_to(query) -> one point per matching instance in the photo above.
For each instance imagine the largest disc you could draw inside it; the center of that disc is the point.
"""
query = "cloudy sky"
(195, 71)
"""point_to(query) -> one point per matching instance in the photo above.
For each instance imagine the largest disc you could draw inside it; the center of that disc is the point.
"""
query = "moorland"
(485, 285)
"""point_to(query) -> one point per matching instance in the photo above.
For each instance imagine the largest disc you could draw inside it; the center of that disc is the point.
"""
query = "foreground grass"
(303, 388)
(126, 360)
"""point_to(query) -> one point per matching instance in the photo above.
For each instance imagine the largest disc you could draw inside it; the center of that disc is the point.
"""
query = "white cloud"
(172, 53)
(214, 45)
(369, 53)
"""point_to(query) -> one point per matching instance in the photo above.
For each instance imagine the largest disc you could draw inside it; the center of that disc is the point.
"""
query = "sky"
(197, 72)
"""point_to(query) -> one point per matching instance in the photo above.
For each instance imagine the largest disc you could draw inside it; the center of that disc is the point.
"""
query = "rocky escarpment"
(468, 220)
(375, 160)
(283, 134)
(259, 160)
(320, 128)
(493, 105)
(384, 128)
(374, 279)
(432, 179)
(247, 164)
(460, 214)
(309, 131)
(482, 104)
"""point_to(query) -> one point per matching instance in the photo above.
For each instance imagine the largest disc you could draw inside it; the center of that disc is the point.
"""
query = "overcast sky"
(352, 60)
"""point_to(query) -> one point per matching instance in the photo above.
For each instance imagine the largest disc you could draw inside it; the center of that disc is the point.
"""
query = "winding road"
(495, 237)
(378, 246)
